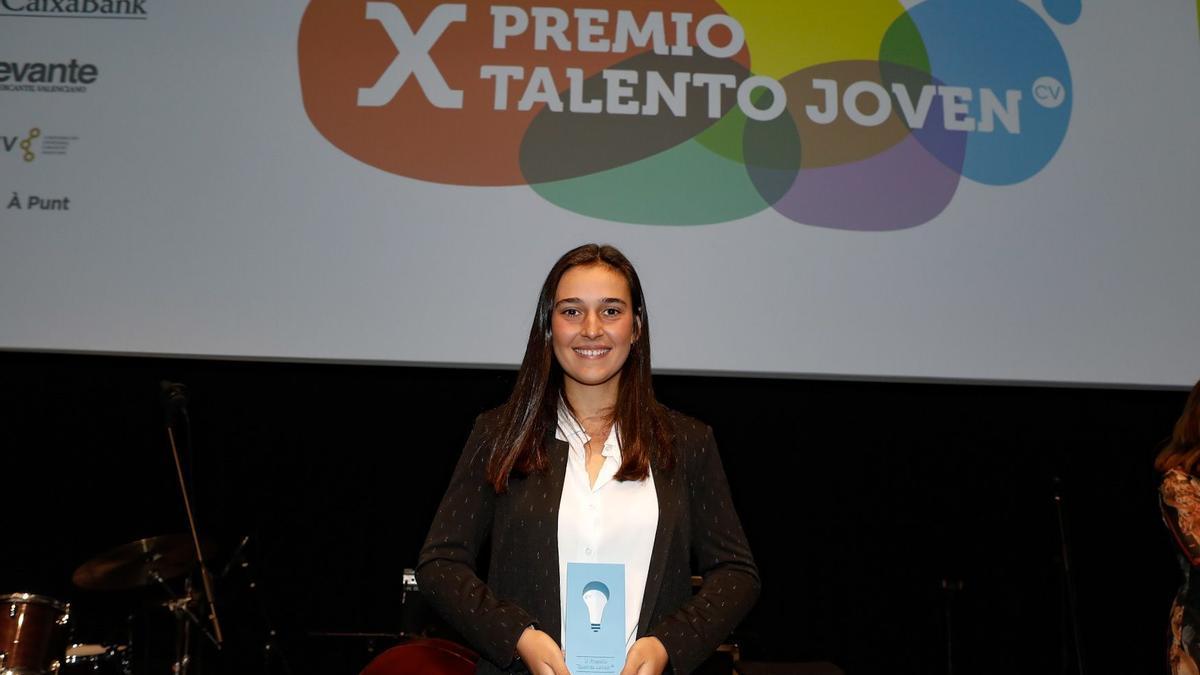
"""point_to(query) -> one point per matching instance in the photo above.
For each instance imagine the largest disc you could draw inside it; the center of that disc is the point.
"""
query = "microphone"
(174, 397)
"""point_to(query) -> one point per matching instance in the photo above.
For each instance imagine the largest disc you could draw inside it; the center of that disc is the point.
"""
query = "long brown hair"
(1183, 450)
(519, 439)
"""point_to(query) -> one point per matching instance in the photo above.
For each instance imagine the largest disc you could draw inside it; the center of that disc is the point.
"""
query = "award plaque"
(594, 631)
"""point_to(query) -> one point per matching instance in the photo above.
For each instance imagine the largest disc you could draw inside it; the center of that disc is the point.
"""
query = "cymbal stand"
(271, 649)
(1072, 604)
(183, 631)
(175, 401)
(185, 618)
(205, 576)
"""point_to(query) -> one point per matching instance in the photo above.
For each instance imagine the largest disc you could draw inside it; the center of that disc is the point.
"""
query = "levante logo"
(858, 115)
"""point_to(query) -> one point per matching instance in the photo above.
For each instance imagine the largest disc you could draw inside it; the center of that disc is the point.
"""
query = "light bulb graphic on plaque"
(595, 598)
(594, 633)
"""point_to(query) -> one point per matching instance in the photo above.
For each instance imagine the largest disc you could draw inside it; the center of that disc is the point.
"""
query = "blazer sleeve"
(446, 567)
(731, 582)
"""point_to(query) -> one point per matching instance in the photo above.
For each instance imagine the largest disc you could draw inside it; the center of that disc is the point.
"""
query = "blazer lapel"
(552, 484)
(670, 501)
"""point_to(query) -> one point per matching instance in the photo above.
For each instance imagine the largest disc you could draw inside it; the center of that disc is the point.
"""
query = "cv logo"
(25, 144)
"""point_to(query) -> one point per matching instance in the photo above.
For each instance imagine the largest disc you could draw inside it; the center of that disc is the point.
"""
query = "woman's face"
(592, 325)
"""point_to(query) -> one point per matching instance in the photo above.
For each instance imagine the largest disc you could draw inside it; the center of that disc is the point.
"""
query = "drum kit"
(38, 634)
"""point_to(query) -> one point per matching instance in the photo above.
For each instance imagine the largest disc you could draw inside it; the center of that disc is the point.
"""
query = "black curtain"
(863, 502)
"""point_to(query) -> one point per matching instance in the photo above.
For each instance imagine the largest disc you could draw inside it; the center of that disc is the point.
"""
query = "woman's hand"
(541, 653)
(647, 656)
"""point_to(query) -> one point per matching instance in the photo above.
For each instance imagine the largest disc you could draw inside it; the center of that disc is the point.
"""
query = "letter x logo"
(412, 56)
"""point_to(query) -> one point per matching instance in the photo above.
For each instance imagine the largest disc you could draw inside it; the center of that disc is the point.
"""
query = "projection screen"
(983, 190)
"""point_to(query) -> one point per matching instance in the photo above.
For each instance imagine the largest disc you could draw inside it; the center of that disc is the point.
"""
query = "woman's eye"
(607, 311)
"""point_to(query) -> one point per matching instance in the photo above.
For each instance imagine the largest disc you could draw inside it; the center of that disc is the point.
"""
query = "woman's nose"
(591, 325)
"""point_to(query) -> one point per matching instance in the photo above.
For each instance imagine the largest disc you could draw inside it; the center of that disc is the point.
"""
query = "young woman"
(582, 464)
(1179, 497)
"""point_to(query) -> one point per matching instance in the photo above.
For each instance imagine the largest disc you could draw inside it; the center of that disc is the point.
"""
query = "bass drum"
(424, 656)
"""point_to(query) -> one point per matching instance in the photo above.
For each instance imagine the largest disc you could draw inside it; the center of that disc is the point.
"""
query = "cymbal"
(139, 563)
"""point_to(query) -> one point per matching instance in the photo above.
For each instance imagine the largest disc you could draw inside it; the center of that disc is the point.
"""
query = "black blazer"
(696, 520)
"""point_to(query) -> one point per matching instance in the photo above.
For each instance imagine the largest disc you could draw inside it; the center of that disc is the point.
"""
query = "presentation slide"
(960, 190)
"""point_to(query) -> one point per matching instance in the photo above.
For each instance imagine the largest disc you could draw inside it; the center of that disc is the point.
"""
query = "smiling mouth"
(592, 353)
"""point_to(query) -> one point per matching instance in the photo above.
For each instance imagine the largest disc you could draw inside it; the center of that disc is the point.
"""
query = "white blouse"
(609, 522)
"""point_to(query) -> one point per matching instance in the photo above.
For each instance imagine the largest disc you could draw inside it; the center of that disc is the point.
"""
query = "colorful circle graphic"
(861, 116)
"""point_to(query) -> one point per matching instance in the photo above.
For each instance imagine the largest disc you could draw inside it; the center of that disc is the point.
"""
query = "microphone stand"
(175, 397)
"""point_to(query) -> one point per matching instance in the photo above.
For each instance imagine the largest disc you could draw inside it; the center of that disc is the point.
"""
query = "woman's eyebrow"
(603, 301)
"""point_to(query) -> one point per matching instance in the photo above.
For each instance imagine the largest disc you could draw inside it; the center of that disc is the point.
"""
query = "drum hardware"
(161, 561)
(181, 607)
(37, 637)
(139, 563)
(151, 561)
(155, 560)
(175, 400)
(97, 659)
(237, 559)
(271, 651)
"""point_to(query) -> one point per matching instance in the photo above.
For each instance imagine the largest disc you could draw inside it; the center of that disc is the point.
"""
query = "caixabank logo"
(858, 115)
(75, 9)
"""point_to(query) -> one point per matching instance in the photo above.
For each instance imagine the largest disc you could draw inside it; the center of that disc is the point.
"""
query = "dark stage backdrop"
(859, 498)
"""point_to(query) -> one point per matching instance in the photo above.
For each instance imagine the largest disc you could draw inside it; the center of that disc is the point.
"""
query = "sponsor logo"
(70, 77)
(37, 203)
(33, 144)
(75, 9)
(697, 111)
